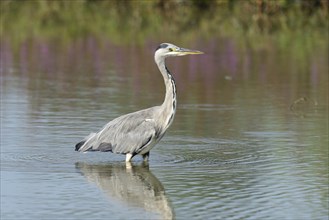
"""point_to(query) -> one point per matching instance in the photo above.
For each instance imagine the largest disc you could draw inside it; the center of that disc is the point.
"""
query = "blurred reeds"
(132, 21)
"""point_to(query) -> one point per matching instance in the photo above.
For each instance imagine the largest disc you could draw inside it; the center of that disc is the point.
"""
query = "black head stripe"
(163, 45)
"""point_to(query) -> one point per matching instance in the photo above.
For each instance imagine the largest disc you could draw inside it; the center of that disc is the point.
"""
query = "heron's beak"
(184, 51)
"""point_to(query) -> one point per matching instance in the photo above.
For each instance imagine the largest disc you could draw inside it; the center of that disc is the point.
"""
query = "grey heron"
(138, 132)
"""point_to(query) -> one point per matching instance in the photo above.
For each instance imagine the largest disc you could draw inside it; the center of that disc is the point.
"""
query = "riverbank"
(131, 22)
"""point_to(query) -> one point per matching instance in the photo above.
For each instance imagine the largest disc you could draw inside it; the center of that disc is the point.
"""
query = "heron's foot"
(146, 157)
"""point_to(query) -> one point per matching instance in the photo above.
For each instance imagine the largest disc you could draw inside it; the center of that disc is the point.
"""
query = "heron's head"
(170, 50)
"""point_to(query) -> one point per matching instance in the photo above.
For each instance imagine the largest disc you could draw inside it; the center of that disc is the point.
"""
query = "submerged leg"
(128, 157)
(128, 166)
(146, 156)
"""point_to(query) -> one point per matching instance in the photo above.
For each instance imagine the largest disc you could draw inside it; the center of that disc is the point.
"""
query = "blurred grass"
(252, 22)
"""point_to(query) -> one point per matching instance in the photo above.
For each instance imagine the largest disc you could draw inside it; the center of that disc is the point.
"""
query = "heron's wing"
(126, 134)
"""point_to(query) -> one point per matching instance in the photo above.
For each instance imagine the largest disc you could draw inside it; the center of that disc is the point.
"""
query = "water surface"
(249, 141)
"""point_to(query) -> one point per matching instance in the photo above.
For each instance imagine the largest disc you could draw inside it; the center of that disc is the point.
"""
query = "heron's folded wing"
(126, 134)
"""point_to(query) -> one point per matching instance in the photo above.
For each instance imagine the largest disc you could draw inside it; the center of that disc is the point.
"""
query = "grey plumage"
(137, 133)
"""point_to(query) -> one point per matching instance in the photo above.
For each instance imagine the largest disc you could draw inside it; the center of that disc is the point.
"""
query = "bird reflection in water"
(134, 185)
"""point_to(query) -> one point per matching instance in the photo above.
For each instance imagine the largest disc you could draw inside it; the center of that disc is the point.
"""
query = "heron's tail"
(86, 144)
(79, 145)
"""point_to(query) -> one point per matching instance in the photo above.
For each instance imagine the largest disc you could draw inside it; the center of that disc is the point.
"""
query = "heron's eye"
(170, 49)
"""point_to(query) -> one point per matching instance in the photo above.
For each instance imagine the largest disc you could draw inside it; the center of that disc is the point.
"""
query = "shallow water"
(249, 140)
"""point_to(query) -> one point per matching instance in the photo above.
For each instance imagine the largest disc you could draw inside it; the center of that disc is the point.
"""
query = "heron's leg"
(146, 156)
(128, 157)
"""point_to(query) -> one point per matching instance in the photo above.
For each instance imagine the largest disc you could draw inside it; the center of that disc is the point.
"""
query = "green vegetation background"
(304, 22)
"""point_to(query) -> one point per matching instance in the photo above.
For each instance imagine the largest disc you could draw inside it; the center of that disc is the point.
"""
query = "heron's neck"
(169, 104)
